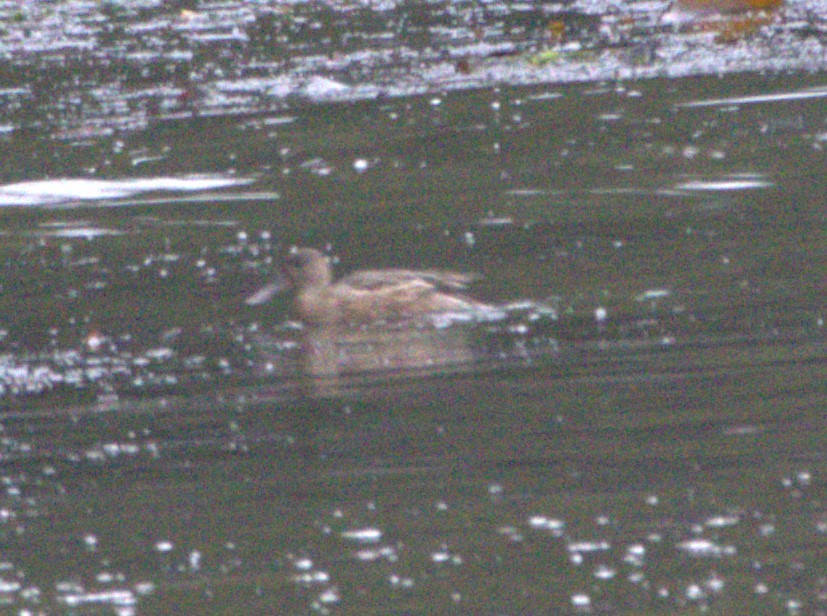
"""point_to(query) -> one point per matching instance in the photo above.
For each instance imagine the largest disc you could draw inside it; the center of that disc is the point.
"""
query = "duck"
(367, 296)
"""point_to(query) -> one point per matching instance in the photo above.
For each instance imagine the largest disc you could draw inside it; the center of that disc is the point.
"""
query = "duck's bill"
(266, 293)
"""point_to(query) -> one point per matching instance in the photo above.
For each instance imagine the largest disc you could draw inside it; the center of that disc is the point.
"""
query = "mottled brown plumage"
(366, 296)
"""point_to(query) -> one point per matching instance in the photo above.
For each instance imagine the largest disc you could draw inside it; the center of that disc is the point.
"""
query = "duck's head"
(303, 268)
(307, 268)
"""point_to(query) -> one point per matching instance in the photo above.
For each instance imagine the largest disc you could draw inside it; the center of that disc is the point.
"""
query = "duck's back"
(373, 280)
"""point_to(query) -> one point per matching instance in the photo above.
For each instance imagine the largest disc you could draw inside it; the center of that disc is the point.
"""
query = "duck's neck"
(318, 276)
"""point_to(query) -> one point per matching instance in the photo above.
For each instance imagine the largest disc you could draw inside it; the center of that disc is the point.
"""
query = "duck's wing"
(371, 280)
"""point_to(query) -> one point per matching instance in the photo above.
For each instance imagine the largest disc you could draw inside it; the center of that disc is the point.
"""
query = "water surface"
(640, 429)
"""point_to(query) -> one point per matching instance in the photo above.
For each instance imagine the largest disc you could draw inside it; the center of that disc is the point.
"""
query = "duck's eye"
(297, 260)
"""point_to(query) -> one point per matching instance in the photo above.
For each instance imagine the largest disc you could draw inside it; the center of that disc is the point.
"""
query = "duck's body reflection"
(392, 321)
(342, 350)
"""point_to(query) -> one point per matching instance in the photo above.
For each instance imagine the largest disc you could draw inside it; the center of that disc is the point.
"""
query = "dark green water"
(641, 430)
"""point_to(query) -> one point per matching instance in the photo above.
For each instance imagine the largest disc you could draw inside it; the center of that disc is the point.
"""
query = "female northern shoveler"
(366, 296)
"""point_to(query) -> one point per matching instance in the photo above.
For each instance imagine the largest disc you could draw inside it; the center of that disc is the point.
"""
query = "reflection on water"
(54, 192)
(331, 352)
(331, 359)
